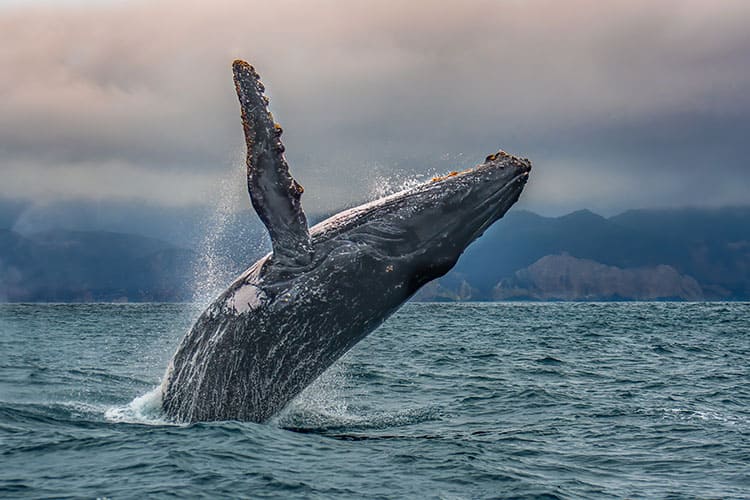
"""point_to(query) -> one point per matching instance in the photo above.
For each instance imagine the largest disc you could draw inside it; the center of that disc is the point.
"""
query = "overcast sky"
(619, 104)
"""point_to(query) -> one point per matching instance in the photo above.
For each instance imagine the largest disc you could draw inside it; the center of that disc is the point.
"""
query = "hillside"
(685, 254)
(562, 277)
(710, 245)
(76, 266)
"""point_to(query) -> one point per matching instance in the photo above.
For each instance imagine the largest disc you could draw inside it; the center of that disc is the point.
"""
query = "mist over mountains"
(61, 253)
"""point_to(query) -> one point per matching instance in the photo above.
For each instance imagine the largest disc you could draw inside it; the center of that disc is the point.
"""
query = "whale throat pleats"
(274, 193)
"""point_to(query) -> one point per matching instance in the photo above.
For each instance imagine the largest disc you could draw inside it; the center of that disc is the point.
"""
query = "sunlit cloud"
(600, 95)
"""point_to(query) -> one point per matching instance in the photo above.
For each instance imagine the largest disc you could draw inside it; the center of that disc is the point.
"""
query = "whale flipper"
(273, 191)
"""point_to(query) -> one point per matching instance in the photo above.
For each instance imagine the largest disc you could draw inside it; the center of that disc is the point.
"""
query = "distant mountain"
(186, 227)
(685, 254)
(76, 266)
(710, 245)
(10, 211)
(562, 277)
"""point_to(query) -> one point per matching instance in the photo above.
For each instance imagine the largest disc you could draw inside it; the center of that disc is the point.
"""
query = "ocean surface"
(509, 400)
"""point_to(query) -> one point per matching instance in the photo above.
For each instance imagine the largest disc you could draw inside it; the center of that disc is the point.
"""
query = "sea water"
(508, 400)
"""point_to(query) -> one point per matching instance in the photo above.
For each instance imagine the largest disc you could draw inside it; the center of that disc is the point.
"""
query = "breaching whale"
(321, 290)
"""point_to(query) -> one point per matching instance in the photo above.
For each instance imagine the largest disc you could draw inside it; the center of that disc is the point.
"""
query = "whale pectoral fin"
(273, 191)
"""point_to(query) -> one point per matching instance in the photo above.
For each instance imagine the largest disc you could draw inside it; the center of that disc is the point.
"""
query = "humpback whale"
(321, 290)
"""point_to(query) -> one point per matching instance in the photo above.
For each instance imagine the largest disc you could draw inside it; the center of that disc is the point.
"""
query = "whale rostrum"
(321, 290)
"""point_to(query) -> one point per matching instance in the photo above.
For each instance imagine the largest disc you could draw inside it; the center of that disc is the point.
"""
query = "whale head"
(421, 232)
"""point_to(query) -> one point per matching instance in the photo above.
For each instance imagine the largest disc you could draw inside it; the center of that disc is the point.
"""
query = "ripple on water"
(445, 400)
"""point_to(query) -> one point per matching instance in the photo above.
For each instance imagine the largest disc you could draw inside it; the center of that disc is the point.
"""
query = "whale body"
(322, 289)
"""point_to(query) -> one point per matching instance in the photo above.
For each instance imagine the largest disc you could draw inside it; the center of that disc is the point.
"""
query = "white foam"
(704, 415)
(145, 409)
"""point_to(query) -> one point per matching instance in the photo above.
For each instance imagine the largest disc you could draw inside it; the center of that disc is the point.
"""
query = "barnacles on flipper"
(297, 188)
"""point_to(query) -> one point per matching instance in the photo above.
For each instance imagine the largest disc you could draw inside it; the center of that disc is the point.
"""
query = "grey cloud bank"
(619, 104)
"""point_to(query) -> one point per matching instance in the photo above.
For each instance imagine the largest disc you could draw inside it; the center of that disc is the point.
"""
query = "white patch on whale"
(246, 298)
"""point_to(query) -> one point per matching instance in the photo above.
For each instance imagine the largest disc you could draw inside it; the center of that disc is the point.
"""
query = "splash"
(387, 181)
(213, 270)
(383, 185)
(144, 409)
(320, 404)
(213, 267)
(229, 237)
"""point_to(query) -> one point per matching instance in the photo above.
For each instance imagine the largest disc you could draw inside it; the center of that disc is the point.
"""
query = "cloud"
(105, 181)
(606, 93)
